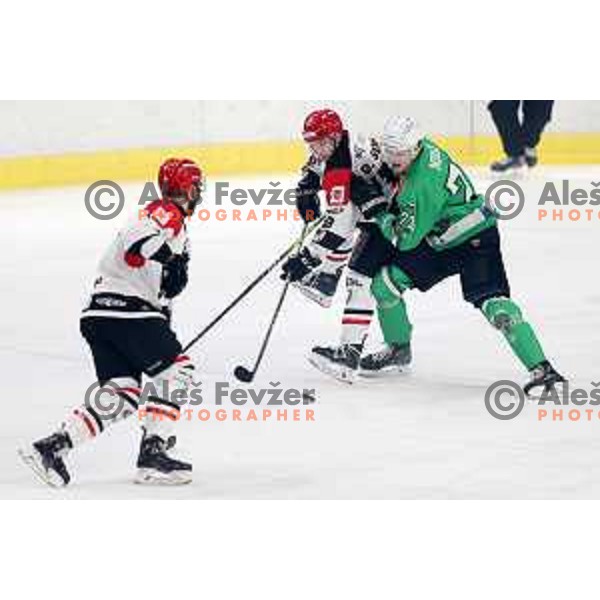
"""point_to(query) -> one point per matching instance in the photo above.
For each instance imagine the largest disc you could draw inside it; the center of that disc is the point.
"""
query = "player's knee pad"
(356, 282)
(321, 284)
(329, 266)
(334, 261)
(178, 375)
(359, 292)
(502, 313)
(389, 285)
(168, 391)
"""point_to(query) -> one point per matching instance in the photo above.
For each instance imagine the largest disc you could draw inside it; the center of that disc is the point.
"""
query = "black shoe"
(531, 157)
(156, 467)
(44, 458)
(507, 164)
(544, 378)
(340, 362)
(391, 359)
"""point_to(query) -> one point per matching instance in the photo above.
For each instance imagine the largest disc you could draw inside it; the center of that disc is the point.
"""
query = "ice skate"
(340, 362)
(45, 459)
(544, 380)
(155, 465)
(508, 164)
(531, 157)
(389, 361)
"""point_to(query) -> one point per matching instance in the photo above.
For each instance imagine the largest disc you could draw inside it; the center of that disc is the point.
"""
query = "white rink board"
(40, 127)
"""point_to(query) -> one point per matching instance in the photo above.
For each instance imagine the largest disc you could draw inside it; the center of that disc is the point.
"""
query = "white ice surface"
(426, 435)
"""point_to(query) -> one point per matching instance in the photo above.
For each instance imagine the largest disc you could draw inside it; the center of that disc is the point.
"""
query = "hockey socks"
(359, 310)
(103, 406)
(391, 308)
(507, 317)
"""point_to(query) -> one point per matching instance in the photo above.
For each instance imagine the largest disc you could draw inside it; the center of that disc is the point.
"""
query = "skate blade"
(342, 374)
(537, 394)
(33, 460)
(320, 299)
(387, 373)
(154, 477)
(511, 174)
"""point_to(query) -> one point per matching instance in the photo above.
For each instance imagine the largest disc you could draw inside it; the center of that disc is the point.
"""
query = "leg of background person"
(536, 115)
(505, 114)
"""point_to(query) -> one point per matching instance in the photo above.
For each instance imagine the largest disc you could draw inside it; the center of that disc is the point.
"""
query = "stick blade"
(244, 375)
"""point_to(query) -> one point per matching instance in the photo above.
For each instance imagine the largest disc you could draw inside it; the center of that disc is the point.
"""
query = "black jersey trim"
(119, 303)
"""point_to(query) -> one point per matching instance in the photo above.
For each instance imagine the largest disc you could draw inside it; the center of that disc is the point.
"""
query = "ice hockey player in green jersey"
(435, 227)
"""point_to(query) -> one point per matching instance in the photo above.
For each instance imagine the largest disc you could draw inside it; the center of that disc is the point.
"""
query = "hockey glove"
(390, 227)
(299, 266)
(175, 275)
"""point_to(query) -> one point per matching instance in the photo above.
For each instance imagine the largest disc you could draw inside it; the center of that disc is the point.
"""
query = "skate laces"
(59, 443)
(343, 351)
(349, 350)
(154, 445)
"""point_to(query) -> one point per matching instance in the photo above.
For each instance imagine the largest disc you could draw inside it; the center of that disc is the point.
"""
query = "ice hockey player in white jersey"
(351, 176)
(127, 328)
(358, 185)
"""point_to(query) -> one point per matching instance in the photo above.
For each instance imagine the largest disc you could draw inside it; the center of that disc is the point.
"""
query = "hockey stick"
(307, 230)
(242, 373)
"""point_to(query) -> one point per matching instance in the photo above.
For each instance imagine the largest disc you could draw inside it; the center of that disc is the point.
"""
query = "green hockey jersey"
(437, 203)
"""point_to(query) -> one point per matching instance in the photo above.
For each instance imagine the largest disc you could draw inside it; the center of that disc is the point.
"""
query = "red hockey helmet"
(179, 177)
(321, 124)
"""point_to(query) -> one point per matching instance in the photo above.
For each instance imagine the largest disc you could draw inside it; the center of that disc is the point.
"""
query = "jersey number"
(459, 185)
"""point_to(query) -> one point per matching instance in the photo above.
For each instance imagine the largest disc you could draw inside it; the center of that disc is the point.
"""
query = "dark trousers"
(478, 261)
(516, 133)
(129, 347)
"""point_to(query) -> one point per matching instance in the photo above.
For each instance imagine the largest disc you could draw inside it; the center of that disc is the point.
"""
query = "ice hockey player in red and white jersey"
(357, 185)
(343, 169)
(127, 328)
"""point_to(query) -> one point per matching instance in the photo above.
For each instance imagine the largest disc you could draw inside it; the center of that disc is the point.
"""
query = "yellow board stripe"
(555, 149)
(252, 158)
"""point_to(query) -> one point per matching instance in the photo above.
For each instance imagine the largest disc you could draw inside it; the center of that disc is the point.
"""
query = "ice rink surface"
(425, 435)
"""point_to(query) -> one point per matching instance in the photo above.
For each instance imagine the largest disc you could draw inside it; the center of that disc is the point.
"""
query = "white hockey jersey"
(129, 281)
(356, 185)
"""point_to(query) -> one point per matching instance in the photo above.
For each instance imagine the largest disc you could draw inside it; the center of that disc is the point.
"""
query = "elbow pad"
(308, 205)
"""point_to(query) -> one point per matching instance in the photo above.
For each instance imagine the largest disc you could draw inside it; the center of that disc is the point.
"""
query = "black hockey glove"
(175, 275)
(300, 265)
